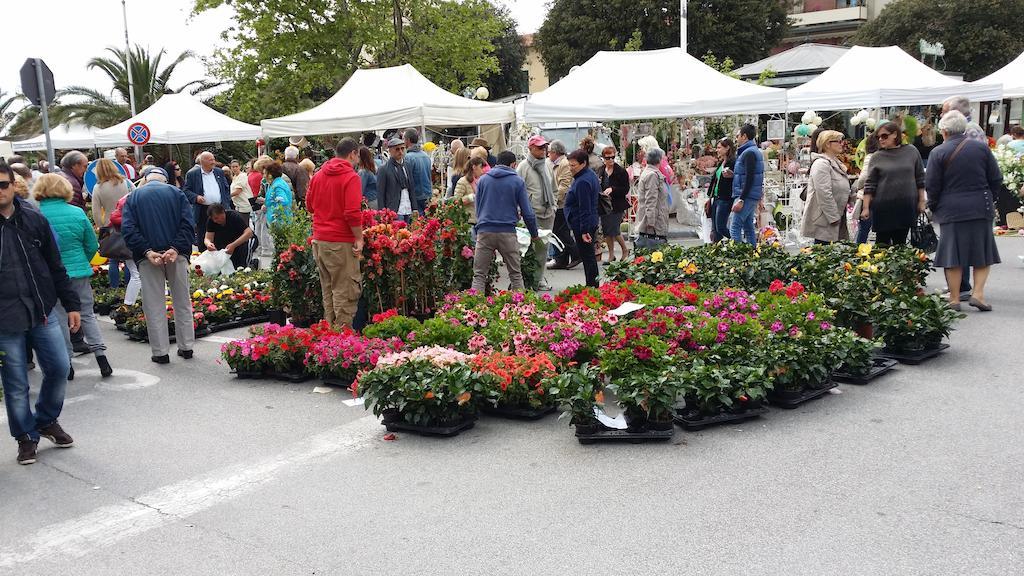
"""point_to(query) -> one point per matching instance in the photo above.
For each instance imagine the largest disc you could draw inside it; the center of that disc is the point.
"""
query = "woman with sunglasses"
(613, 203)
(720, 189)
(894, 188)
(828, 192)
(174, 177)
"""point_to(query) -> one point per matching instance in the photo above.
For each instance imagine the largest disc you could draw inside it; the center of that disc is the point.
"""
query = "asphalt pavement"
(183, 469)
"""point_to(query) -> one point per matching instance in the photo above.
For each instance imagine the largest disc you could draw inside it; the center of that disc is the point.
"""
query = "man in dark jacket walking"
(298, 175)
(32, 279)
(157, 225)
(500, 200)
(747, 186)
(205, 184)
(581, 211)
(396, 187)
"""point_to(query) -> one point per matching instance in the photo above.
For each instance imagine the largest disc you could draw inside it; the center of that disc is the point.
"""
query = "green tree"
(283, 56)
(744, 30)
(510, 53)
(980, 37)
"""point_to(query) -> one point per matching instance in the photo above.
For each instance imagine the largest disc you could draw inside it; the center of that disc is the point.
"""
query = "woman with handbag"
(78, 244)
(110, 187)
(720, 190)
(962, 180)
(894, 188)
(613, 203)
(828, 192)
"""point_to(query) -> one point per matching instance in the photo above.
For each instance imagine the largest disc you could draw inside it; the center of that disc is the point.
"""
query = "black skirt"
(966, 243)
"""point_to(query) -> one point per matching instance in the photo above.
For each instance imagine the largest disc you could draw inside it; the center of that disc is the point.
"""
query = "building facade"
(533, 66)
(828, 21)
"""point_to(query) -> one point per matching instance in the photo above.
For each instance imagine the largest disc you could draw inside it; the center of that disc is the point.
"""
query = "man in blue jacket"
(419, 167)
(157, 226)
(32, 279)
(581, 211)
(205, 184)
(500, 200)
(747, 185)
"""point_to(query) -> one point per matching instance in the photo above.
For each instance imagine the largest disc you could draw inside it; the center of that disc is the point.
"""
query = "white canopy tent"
(872, 77)
(666, 83)
(380, 98)
(180, 119)
(1011, 77)
(63, 137)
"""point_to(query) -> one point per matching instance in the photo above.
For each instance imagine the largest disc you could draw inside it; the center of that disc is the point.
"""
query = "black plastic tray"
(613, 435)
(294, 377)
(913, 357)
(445, 431)
(700, 423)
(341, 382)
(805, 396)
(238, 323)
(879, 367)
(517, 413)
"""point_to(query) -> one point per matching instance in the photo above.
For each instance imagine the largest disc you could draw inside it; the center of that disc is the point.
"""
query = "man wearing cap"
(540, 188)
(157, 222)
(395, 185)
(483, 143)
(500, 200)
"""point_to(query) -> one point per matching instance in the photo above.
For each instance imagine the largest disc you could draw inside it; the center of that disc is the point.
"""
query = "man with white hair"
(157, 222)
(205, 184)
(121, 155)
(973, 132)
(298, 175)
(72, 167)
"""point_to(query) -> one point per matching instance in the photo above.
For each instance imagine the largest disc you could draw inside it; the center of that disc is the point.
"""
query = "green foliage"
(296, 279)
(979, 37)
(393, 327)
(509, 77)
(283, 56)
(744, 30)
(444, 332)
(579, 391)
(424, 394)
(914, 322)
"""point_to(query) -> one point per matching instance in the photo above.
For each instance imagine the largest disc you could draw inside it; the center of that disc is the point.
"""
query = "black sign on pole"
(30, 84)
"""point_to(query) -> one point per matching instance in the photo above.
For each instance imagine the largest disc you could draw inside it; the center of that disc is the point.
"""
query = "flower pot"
(636, 419)
(865, 330)
(391, 415)
(277, 317)
(660, 425)
(819, 385)
(586, 429)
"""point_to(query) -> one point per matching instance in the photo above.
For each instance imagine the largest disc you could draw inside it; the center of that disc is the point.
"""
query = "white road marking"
(217, 339)
(72, 400)
(122, 380)
(109, 525)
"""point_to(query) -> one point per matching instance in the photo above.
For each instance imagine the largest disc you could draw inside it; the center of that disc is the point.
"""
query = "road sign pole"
(46, 115)
(131, 80)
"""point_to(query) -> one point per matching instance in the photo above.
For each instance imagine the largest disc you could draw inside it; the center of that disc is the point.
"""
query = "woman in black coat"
(720, 190)
(613, 202)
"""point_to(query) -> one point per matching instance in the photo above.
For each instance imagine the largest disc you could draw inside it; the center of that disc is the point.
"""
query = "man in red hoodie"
(334, 198)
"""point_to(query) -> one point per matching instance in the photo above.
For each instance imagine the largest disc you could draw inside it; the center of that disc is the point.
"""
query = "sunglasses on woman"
(608, 157)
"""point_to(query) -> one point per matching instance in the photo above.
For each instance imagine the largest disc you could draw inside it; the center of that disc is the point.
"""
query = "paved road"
(181, 469)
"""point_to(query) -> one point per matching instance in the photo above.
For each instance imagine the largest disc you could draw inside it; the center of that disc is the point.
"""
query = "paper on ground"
(627, 308)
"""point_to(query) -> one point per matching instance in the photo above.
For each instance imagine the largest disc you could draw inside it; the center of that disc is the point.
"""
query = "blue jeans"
(720, 210)
(863, 229)
(52, 357)
(114, 271)
(742, 229)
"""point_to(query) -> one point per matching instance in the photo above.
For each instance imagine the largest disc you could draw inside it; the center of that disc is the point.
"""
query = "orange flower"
(428, 396)
(464, 398)
(599, 397)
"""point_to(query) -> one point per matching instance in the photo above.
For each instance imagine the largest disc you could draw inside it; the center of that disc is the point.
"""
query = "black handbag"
(112, 244)
(923, 236)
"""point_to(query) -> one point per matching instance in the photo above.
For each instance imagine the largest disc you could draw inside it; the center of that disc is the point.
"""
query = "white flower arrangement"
(1012, 167)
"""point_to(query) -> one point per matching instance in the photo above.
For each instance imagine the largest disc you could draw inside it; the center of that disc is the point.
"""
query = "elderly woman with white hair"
(962, 180)
(652, 203)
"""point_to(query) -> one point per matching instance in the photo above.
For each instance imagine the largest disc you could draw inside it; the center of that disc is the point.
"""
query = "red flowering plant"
(455, 246)
(295, 281)
(274, 348)
(519, 381)
(400, 270)
(342, 356)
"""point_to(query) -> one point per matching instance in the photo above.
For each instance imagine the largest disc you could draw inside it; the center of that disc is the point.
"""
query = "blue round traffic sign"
(138, 134)
(90, 174)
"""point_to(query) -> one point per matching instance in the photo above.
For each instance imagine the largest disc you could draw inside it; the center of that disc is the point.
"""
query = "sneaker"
(105, 369)
(186, 354)
(54, 433)
(26, 450)
(573, 264)
(555, 265)
(165, 359)
(544, 286)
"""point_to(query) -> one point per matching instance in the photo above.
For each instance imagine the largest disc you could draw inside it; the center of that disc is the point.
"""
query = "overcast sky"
(67, 33)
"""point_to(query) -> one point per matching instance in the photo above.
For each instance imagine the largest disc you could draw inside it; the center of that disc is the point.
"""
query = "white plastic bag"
(548, 236)
(215, 262)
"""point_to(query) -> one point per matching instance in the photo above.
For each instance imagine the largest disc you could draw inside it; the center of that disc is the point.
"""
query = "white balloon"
(856, 121)
(818, 120)
(863, 114)
(870, 123)
(808, 116)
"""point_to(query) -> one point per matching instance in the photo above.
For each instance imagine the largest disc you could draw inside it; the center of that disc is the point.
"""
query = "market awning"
(1010, 77)
(666, 83)
(63, 137)
(180, 119)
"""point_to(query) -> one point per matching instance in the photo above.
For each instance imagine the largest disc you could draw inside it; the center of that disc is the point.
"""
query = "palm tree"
(7, 103)
(150, 82)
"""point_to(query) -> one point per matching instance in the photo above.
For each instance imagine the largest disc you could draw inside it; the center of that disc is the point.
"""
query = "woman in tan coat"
(828, 192)
(652, 203)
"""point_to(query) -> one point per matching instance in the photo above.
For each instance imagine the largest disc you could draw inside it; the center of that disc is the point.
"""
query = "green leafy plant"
(578, 390)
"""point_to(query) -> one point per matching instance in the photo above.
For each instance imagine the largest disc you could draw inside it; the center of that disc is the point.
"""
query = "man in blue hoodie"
(500, 199)
(419, 166)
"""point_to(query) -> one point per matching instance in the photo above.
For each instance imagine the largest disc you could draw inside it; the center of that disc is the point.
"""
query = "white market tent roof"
(666, 83)
(795, 66)
(1011, 77)
(870, 77)
(63, 137)
(180, 119)
(380, 98)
